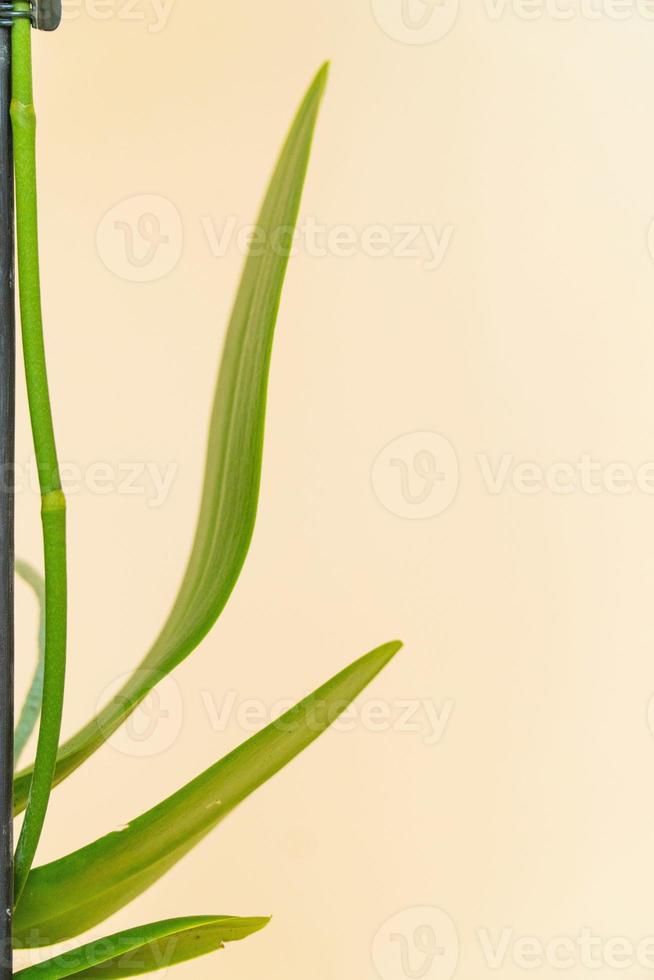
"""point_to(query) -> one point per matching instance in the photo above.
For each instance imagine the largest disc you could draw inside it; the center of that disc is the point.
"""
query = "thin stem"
(53, 504)
(7, 402)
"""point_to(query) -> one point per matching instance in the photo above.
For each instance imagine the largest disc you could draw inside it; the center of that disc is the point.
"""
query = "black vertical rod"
(7, 413)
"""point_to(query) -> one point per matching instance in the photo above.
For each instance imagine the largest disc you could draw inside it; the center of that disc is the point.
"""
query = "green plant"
(60, 900)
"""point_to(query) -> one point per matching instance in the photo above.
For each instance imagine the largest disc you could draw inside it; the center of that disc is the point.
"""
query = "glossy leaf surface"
(66, 897)
(146, 949)
(234, 455)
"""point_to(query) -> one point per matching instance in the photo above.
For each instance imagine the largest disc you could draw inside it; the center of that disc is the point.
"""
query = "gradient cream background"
(531, 613)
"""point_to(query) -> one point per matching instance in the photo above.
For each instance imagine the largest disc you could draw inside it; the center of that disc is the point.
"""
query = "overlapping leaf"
(233, 465)
(146, 949)
(29, 714)
(66, 897)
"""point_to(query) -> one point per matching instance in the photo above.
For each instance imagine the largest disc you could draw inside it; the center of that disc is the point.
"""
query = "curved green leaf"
(64, 898)
(32, 707)
(146, 949)
(233, 466)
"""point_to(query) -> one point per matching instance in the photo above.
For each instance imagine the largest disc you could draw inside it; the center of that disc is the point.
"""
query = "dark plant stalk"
(7, 402)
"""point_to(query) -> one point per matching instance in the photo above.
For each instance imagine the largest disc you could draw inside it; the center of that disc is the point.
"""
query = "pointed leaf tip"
(387, 651)
(234, 455)
(322, 75)
(69, 896)
(146, 949)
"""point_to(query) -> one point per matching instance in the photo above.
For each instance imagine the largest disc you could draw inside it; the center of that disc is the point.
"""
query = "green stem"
(53, 504)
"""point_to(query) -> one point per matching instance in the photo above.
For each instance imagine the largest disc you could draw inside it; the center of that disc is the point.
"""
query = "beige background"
(527, 616)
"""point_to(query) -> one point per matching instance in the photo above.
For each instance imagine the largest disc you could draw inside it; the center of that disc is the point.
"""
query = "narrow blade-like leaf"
(29, 714)
(64, 898)
(233, 465)
(147, 948)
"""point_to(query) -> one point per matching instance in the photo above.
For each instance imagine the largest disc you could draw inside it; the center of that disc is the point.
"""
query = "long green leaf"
(31, 709)
(146, 949)
(64, 898)
(233, 466)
